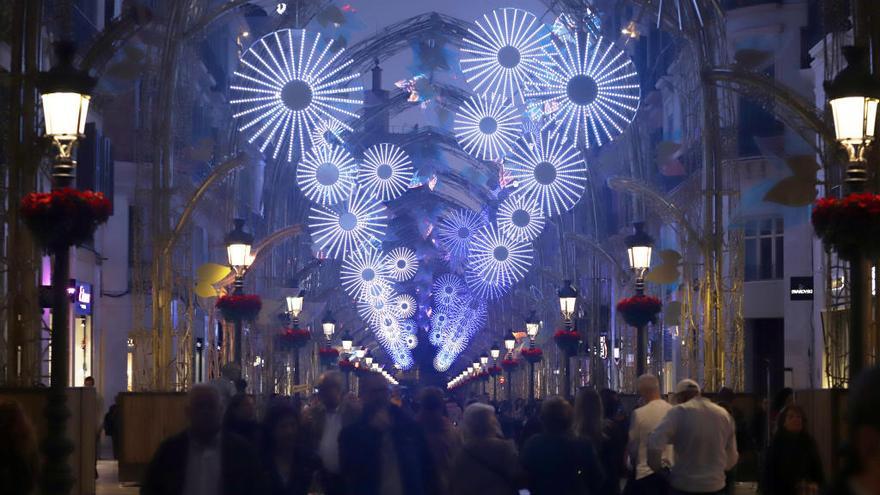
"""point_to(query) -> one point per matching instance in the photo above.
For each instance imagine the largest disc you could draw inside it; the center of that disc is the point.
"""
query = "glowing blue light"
(504, 51)
(409, 326)
(411, 341)
(386, 171)
(326, 175)
(287, 82)
(595, 87)
(401, 264)
(485, 127)
(361, 270)
(348, 226)
(327, 133)
(457, 229)
(404, 306)
(549, 172)
(374, 310)
(448, 290)
(496, 262)
(520, 218)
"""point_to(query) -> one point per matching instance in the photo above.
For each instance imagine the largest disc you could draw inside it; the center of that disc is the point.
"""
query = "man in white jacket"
(645, 420)
(704, 438)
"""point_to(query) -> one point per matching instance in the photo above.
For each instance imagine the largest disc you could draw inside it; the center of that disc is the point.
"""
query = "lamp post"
(567, 302)
(533, 326)
(509, 344)
(484, 366)
(328, 326)
(639, 247)
(854, 95)
(65, 94)
(495, 352)
(347, 343)
(294, 309)
(238, 253)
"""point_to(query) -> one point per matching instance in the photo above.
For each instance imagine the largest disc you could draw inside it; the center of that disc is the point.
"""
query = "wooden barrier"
(146, 419)
(81, 428)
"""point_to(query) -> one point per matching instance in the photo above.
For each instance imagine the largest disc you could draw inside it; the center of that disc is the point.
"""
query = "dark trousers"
(654, 484)
(333, 484)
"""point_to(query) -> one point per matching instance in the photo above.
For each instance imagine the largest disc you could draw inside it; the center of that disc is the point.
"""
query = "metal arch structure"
(398, 36)
(782, 101)
(450, 98)
(578, 9)
(113, 38)
(665, 208)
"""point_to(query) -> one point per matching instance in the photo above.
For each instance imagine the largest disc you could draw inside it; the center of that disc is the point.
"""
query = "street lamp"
(295, 306)
(347, 342)
(567, 301)
(328, 325)
(533, 326)
(495, 352)
(510, 343)
(854, 95)
(639, 247)
(238, 252)
(65, 95)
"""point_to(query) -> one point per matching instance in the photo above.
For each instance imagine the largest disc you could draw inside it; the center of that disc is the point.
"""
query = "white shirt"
(328, 448)
(644, 420)
(203, 468)
(704, 438)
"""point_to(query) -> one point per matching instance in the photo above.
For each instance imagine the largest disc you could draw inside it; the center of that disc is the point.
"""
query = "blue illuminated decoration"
(457, 229)
(327, 133)
(448, 290)
(506, 49)
(404, 306)
(386, 171)
(592, 89)
(401, 264)
(486, 128)
(361, 271)
(287, 82)
(326, 175)
(549, 172)
(343, 228)
(520, 218)
(496, 262)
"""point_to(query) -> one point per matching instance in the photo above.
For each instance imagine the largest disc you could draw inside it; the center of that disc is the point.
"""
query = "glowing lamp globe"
(238, 246)
(369, 360)
(567, 299)
(347, 342)
(510, 341)
(639, 247)
(295, 303)
(328, 325)
(484, 359)
(65, 93)
(533, 325)
(854, 95)
(495, 352)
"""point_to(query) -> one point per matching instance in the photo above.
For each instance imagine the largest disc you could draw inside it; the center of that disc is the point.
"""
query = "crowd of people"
(379, 443)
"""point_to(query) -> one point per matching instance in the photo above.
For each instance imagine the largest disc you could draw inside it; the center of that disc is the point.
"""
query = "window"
(764, 249)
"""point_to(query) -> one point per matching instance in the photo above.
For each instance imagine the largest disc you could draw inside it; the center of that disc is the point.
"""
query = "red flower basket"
(293, 338)
(532, 354)
(346, 366)
(494, 370)
(328, 355)
(849, 224)
(509, 364)
(638, 311)
(239, 306)
(567, 341)
(64, 217)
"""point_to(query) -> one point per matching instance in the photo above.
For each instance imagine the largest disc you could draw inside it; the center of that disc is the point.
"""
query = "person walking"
(444, 441)
(241, 419)
(555, 462)
(325, 420)
(704, 439)
(645, 419)
(19, 456)
(487, 463)
(792, 465)
(384, 452)
(202, 460)
(288, 462)
(590, 426)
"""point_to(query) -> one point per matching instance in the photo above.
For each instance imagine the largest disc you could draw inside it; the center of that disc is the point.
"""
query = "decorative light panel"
(520, 218)
(457, 229)
(497, 260)
(386, 171)
(287, 82)
(348, 226)
(549, 172)
(486, 127)
(506, 49)
(361, 271)
(326, 174)
(595, 87)
(448, 291)
(401, 264)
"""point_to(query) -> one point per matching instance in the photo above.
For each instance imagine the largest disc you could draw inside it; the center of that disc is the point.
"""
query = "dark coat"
(302, 472)
(360, 456)
(791, 459)
(239, 466)
(561, 465)
(485, 467)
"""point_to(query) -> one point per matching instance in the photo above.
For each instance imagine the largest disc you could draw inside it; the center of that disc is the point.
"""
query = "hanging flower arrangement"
(239, 306)
(346, 366)
(64, 217)
(567, 340)
(532, 354)
(494, 370)
(638, 311)
(293, 338)
(849, 224)
(509, 364)
(328, 355)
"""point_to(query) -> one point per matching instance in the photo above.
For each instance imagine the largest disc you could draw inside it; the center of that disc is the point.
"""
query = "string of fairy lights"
(541, 95)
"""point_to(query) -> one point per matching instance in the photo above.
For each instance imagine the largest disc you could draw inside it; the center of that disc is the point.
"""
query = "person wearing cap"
(703, 437)
(645, 419)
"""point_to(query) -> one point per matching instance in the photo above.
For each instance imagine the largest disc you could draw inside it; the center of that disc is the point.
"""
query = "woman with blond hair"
(486, 463)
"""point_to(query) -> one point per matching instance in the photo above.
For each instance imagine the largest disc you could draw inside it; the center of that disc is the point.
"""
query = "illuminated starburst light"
(549, 172)
(326, 174)
(349, 225)
(401, 264)
(520, 218)
(497, 261)
(485, 127)
(457, 229)
(287, 82)
(386, 171)
(361, 270)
